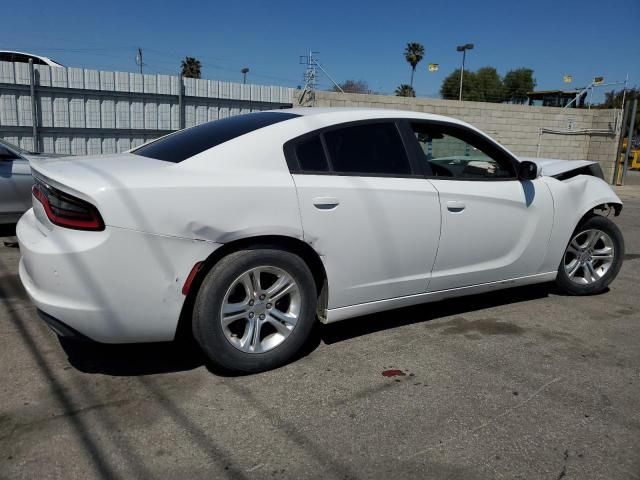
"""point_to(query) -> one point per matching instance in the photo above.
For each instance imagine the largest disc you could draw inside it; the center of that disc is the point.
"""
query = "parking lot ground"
(523, 383)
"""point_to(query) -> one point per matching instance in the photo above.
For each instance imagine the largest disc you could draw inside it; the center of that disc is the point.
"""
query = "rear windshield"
(189, 142)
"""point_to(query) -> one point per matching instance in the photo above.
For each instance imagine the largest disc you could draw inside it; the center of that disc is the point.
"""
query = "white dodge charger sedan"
(246, 231)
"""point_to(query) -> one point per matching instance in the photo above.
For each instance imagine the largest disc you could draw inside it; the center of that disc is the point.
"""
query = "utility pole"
(463, 49)
(310, 78)
(139, 61)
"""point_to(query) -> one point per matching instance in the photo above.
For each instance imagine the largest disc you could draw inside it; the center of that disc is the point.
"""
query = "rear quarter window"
(184, 144)
(311, 156)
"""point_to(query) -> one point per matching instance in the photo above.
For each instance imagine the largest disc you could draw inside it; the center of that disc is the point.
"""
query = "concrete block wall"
(517, 127)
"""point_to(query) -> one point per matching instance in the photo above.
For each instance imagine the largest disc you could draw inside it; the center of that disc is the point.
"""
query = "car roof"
(369, 113)
(336, 115)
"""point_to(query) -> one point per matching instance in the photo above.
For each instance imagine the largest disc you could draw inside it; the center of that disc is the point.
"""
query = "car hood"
(551, 167)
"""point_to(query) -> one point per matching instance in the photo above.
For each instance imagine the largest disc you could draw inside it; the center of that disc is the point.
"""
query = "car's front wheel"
(255, 310)
(592, 258)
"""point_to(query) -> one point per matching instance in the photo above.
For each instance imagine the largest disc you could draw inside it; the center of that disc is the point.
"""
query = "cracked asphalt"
(523, 383)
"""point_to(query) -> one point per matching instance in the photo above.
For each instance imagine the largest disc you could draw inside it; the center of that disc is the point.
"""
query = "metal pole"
(464, 53)
(34, 116)
(180, 104)
(632, 124)
(140, 57)
(624, 90)
(625, 115)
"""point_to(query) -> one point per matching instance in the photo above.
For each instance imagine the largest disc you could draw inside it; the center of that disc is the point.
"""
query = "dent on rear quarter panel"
(207, 232)
(572, 199)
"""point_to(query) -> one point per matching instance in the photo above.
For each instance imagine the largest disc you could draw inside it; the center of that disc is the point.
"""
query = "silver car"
(15, 182)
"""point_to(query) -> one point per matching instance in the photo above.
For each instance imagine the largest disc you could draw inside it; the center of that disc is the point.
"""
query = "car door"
(15, 183)
(495, 227)
(373, 219)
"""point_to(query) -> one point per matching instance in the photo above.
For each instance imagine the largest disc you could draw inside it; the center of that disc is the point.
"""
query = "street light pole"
(463, 49)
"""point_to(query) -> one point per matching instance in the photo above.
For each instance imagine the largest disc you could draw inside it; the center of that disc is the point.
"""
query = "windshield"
(184, 144)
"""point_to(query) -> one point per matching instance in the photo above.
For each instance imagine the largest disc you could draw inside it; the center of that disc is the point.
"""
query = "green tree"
(517, 83)
(353, 86)
(405, 90)
(488, 85)
(450, 88)
(413, 53)
(191, 67)
(613, 99)
(485, 85)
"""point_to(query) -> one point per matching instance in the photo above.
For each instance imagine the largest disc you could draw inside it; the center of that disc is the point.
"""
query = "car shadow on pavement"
(183, 355)
(137, 359)
(7, 230)
(356, 327)
(132, 359)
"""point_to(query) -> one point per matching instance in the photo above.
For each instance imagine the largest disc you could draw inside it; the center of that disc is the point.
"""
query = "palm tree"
(413, 54)
(191, 67)
(405, 90)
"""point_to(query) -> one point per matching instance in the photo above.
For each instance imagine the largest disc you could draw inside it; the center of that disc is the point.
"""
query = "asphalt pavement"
(523, 383)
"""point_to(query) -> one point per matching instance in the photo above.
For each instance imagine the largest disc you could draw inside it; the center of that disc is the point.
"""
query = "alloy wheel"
(260, 309)
(589, 256)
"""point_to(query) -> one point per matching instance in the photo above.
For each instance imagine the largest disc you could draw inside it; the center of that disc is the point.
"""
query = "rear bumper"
(62, 329)
(114, 286)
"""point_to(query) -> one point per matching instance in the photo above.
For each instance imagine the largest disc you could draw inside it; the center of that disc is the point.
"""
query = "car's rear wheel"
(592, 258)
(255, 310)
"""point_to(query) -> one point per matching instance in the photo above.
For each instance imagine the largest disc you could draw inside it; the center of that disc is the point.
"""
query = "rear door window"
(367, 149)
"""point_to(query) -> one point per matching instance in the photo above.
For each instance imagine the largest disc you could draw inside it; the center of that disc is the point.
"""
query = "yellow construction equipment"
(635, 159)
(633, 165)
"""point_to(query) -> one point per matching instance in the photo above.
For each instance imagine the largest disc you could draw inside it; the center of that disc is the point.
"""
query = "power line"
(150, 62)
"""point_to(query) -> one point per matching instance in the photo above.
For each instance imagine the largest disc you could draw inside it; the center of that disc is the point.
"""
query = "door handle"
(326, 203)
(455, 207)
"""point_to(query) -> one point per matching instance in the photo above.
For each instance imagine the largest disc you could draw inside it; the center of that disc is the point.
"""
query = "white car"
(23, 57)
(247, 230)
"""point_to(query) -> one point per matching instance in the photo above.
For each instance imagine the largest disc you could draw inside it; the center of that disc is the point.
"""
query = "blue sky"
(356, 40)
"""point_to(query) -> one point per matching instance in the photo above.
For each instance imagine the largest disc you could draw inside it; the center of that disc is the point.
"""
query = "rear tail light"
(65, 210)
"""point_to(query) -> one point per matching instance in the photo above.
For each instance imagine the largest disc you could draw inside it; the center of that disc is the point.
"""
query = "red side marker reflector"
(192, 275)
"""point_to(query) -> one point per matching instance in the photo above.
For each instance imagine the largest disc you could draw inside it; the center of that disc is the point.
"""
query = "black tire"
(595, 222)
(207, 325)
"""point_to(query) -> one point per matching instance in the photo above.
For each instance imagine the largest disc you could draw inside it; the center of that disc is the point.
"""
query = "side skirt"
(342, 313)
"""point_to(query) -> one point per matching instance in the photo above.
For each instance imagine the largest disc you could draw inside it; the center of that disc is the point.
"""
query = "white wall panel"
(24, 111)
(45, 111)
(132, 106)
(60, 111)
(75, 78)
(76, 112)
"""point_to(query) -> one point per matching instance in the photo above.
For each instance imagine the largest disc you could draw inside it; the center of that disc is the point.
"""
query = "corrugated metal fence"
(80, 111)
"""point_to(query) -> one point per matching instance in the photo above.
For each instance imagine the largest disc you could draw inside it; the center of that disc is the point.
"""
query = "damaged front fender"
(565, 169)
(574, 198)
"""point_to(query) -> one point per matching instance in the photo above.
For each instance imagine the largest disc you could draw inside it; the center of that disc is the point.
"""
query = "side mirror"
(527, 171)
